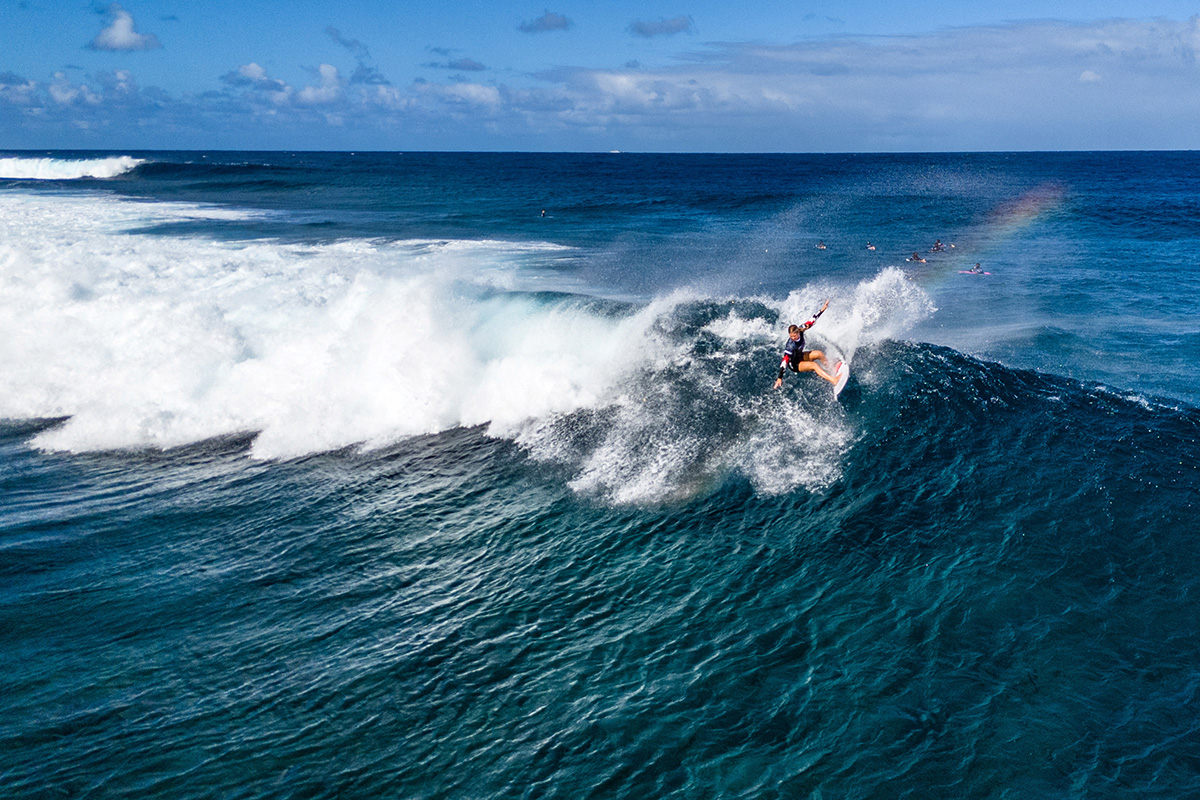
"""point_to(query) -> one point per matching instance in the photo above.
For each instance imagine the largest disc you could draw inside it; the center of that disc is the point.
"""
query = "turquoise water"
(326, 475)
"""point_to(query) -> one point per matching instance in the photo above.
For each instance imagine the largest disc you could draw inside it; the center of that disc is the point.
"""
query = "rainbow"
(1005, 221)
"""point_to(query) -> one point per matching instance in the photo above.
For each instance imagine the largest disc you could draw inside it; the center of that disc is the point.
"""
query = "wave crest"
(58, 169)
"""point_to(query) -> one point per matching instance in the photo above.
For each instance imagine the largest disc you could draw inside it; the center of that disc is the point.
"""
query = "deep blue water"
(355, 475)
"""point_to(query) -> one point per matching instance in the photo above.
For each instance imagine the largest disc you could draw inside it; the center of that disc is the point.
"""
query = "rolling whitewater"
(439, 475)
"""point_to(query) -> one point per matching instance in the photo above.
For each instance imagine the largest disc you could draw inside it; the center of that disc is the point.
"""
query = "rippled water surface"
(356, 476)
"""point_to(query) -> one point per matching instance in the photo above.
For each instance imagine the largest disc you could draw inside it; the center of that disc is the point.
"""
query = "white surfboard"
(842, 373)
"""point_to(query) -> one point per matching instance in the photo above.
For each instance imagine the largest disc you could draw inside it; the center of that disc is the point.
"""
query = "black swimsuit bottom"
(794, 363)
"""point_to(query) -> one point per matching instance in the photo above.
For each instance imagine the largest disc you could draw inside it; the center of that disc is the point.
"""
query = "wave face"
(58, 169)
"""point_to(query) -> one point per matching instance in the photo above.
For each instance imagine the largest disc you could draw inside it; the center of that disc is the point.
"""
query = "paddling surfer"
(796, 358)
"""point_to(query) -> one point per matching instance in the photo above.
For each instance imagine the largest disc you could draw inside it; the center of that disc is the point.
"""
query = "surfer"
(796, 358)
(976, 269)
(820, 245)
(938, 247)
(916, 257)
(870, 246)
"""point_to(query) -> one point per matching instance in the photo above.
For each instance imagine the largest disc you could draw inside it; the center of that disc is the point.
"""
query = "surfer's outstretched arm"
(817, 355)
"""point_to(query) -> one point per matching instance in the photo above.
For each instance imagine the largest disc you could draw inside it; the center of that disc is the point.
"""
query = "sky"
(654, 75)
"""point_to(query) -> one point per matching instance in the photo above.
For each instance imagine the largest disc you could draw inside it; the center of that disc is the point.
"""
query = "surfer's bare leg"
(811, 366)
(816, 355)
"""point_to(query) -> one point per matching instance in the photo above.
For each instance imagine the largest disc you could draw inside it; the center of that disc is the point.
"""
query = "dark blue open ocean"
(417, 475)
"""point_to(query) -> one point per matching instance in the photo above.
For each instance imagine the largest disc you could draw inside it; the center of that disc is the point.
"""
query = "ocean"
(462, 475)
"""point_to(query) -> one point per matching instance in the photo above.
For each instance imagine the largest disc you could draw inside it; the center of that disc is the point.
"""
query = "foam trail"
(58, 169)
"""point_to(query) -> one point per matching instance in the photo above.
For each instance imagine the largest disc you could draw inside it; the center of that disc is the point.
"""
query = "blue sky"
(684, 75)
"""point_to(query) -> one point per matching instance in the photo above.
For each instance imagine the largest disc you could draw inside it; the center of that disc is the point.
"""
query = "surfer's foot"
(831, 378)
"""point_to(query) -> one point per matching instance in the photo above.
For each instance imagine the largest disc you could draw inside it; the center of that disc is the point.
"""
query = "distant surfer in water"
(976, 269)
(796, 358)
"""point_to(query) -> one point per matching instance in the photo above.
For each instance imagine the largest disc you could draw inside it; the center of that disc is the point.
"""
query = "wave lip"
(62, 169)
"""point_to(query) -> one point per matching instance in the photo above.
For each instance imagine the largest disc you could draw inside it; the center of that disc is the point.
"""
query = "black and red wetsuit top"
(793, 352)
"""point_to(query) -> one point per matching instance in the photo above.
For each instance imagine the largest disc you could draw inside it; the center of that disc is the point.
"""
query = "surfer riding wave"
(797, 359)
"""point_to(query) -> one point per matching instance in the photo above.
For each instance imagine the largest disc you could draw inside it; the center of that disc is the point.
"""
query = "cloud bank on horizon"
(1043, 84)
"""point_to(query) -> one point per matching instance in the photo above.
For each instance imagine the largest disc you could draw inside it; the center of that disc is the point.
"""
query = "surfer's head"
(794, 330)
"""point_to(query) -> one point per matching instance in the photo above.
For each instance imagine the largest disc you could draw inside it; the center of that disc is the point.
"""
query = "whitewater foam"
(690, 418)
(155, 341)
(60, 169)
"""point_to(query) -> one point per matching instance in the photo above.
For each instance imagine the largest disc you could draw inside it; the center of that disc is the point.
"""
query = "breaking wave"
(144, 341)
(59, 169)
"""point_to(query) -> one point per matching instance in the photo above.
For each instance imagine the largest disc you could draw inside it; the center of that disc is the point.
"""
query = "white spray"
(155, 341)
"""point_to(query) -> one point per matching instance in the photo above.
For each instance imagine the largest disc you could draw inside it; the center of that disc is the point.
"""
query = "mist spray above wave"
(60, 169)
(151, 341)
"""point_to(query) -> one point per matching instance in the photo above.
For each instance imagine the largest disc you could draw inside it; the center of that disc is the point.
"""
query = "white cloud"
(475, 93)
(328, 90)
(1087, 76)
(459, 94)
(249, 75)
(120, 34)
(254, 77)
(65, 94)
(386, 96)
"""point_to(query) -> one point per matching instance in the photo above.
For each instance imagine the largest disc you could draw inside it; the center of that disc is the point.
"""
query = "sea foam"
(59, 169)
(144, 340)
